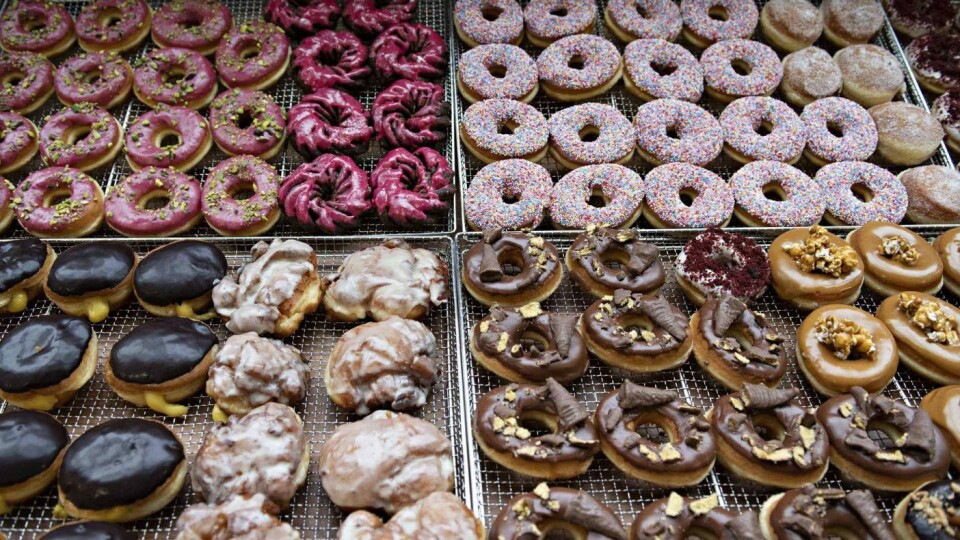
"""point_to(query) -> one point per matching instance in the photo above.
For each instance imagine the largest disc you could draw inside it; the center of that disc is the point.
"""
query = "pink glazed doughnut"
(36, 26)
(113, 25)
(83, 137)
(26, 81)
(329, 194)
(685, 82)
(271, 56)
(58, 202)
(743, 122)
(764, 70)
(247, 122)
(6, 210)
(858, 134)
(175, 137)
(621, 189)
(472, 21)
(702, 30)
(231, 216)
(882, 197)
(175, 76)
(612, 142)
(127, 211)
(774, 194)
(101, 78)
(331, 59)
(643, 19)
(191, 24)
(19, 141)
(527, 185)
(667, 185)
(671, 131)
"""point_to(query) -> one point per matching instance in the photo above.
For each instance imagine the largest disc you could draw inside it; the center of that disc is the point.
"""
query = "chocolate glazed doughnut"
(681, 517)
(683, 459)
(638, 269)
(90, 280)
(31, 448)
(811, 512)
(929, 513)
(563, 511)
(177, 280)
(24, 265)
(490, 272)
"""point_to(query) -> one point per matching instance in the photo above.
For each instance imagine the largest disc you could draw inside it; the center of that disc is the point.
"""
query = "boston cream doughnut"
(31, 448)
(89, 280)
(240, 516)
(638, 270)
(896, 259)
(24, 266)
(948, 248)
(86, 530)
(484, 269)
(930, 512)
(688, 518)
(925, 328)
(943, 406)
(438, 515)
(812, 268)
(177, 280)
(564, 512)
(812, 512)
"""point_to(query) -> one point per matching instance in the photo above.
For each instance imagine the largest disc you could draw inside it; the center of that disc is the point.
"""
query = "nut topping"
(817, 253)
(845, 337)
(930, 319)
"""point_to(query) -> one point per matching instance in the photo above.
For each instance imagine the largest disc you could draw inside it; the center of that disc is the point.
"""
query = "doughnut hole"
(718, 13)
(154, 200)
(497, 71)
(576, 62)
(664, 70)
(728, 258)
(774, 191)
(862, 192)
(589, 133)
(32, 21)
(75, 134)
(491, 13)
(167, 139)
(244, 120)
(109, 17)
(671, 131)
(13, 78)
(243, 191)
(884, 434)
(511, 262)
(56, 196)
(741, 67)
(655, 428)
(559, 12)
(532, 341)
(688, 196)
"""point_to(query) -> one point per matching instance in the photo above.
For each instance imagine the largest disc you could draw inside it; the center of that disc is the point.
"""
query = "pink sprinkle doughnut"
(742, 121)
(101, 78)
(712, 203)
(644, 59)
(36, 26)
(550, 20)
(61, 146)
(26, 81)
(601, 64)
(660, 19)
(231, 216)
(741, 21)
(175, 76)
(191, 24)
(614, 135)
(474, 28)
(476, 79)
(858, 138)
(126, 208)
(621, 188)
(527, 184)
(697, 137)
(885, 195)
(802, 203)
(482, 121)
(764, 70)
(260, 71)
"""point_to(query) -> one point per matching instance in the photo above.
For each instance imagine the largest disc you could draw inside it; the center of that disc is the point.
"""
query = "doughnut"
(736, 345)
(199, 25)
(774, 194)
(914, 19)
(79, 530)
(896, 259)
(131, 207)
(101, 78)
(939, 404)
(303, 18)
(674, 131)
(907, 134)
(671, 186)
(789, 450)
(715, 262)
(24, 266)
(482, 22)
(31, 448)
(227, 211)
(497, 71)
(739, 68)
(175, 76)
(527, 345)
(657, 69)
(508, 194)
(930, 194)
(590, 134)
(37, 26)
(330, 194)
(809, 512)
(933, 58)
(411, 114)
(272, 292)
(239, 516)
(176, 280)
(485, 269)
(438, 515)
(579, 67)
(247, 122)
(390, 279)
(813, 268)
(6, 206)
(928, 512)
(809, 75)
(619, 188)
(631, 20)
(602, 260)
(687, 517)
(160, 363)
(26, 81)
(412, 189)
(409, 51)
(947, 247)
(915, 453)
(82, 137)
(946, 108)
(175, 137)
(561, 511)
(385, 461)
(501, 129)
(549, 20)
(329, 121)
(838, 129)
(706, 22)
(89, 280)
(58, 202)
(113, 25)
(762, 129)
(871, 74)
(18, 144)
(567, 448)
(385, 364)
(851, 22)
(790, 25)
(858, 192)
(331, 59)
(925, 328)
(368, 18)
(253, 56)
(264, 451)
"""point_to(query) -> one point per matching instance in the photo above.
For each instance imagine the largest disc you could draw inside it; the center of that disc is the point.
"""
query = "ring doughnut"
(41, 212)
(113, 25)
(774, 194)
(851, 22)
(369, 18)
(694, 516)
(6, 205)
(858, 193)
(549, 20)
(191, 24)
(674, 131)
(78, 530)
(83, 137)
(907, 135)
(247, 122)
(716, 262)
(588, 257)
(939, 404)
(590, 134)
(857, 137)
(668, 185)
(925, 328)
(175, 137)
(579, 67)
(646, 61)
(567, 512)
(934, 58)
(482, 22)
(303, 18)
(253, 56)
(809, 75)
(813, 268)
(762, 129)
(721, 62)
(527, 184)
(484, 277)
(331, 59)
(497, 71)
(18, 144)
(926, 513)
(947, 247)
(37, 26)
(620, 188)
(230, 215)
(631, 20)
(175, 76)
(896, 259)
(706, 22)
(824, 509)
(101, 78)
(527, 132)
(26, 81)
(128, 208)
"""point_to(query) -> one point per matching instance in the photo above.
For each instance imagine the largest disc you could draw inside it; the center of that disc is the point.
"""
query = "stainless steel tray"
(311, 512)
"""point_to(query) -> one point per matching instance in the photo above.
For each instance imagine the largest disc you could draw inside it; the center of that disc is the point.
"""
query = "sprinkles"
(765, 70)
(614, 134)
(483, 121)
(660, 19)
(886, 196)
(684, 83)
(621, 188)
(859, 134)
(520, 76)
(474, 27)
(698, 137)
(712, 202)
(528, 184)
(601, 63)
(742, 119)
(578, 17)
(803, 202)
(742, 19)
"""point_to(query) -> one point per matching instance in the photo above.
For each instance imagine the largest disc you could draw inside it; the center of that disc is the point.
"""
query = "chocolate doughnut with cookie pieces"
(681, 517)
(813, 267)
(511, 269)
(31, 448)
(931, 512)
(24, 265)
(562, 511)
(88, 530)
(177, 280)
(926, 330)
(592, 256)
(896, 259)
(810, 513)
(91, 279)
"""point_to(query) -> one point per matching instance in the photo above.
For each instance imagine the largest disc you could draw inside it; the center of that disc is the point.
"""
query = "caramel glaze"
(641, 270)
(948, 249)
(537, 259)
(932, 511)
(161, 350)
(42, 352)
(118, 463)
(724, 321)
(533, 515)
(90, 268)
(179, 272)
(913, 341)
(790, 281)
(943, 406)
(20, 260)
(608, 322)
(30, 442)
(89, 530)
(924, 274)
(923, 452)
(811, 513)
(673, 517)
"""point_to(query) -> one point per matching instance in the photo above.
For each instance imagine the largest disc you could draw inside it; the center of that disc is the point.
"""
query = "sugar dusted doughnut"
(857, 137)
(527, 134)
(871, 74)
(791, 25)
(881, 196)
(642, 60)
(762, 128)
(808, 75)
(479, 22)
(629, 20)
(668, 184)
(735, 19)
(497, 71)
(549, 20)
(721, 61)
(906, 134)
(620, 188)
(672, 131)
(931, 194)
(527, 184)
(851, 22)
(579, 67)
(611, 133)
(774, 194)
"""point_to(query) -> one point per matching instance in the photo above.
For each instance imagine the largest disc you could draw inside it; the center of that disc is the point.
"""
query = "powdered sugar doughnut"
(745, 118)
(774, 194)
(479, 22)
(550, 20)
(808, 75)
(684, 82)
(526, 184)
(571, 128)
(639, 19)
(790, 25)
(849, 22)
(737, 20)
(668, 185)
(858, 134)
(879, 195)
(564, 79)
(497, 71)
(620, 188)
(871, 74)
(907, 135)
(761, 63)
(670, 130)
(481, 124)
(933, 195)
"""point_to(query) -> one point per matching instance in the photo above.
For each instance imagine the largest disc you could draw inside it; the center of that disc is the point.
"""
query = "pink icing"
(110, 74)
(684, 83)
(858, 138)
(6, 194)
(520, 75)
(742, 121)
(127, 18)
(271, 44)
(174, 76)
(742, 18)
(412, 188)
(526, 184)
(698, 138)
(227, 213)
(804, 204)
(301, 18)
(57, 146)
(409, 51)
(329, 120)
(765, 68)
(601, 60)
(712, 206)
(246, 122)
(16, 135)
(125, 208)
(331, 59)
(370, 17)
(143, 147)
(34, 25)
(191, 24)
(660, 19)
(41, 217)
(506, 28)
(34, 74)
(330, 193)
(411, 114)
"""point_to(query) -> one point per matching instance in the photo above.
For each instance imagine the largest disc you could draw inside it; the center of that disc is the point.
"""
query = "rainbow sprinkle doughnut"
(660, 19)
(702, 30)
(473, 27)
(497, 71)
(858, 138)
(801, 202)
(550, 20)
(602, 67)
(712, 203)
(723, 81)
(568, 128)
(527, 184)
(698, 138)
(684, 83)
(621, 189)
(742, 120)
(481, 123)
(882, 197)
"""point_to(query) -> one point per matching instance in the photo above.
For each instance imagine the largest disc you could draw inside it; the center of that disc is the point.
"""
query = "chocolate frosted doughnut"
(26, 81)
(647, 62)
(37, 26)
(24, 265)
(564, 510)
(159, 351)
(302, 18)
(329, 59)
(175, 76)
(113, 25)
(527, 184)
(191, 24)
(329, 121)
(247, 122)
(368, 18)
(89, 268)
(31, 447)
(83, 137)
(928, 513)
(409, 51)
(762, 129)
(638, 270)
(685, 516)
(18, 145)
(411, 189)
(631, 20)
(811, 512)
(179, 277)
(485, 277)
(481, 22)
(101, 78)
(330, 193)
(411, 114)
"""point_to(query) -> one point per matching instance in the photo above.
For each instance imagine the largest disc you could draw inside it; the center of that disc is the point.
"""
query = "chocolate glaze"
(655, 523)
(119, 462)
(561, 506)
(536, 257)
(642, 271)
(179, 272)
(89, 530)
(30, 442)
(608, 321)
(723, 318)
(942, 499)
(20, 260)
(88, 268)
(810, 512)
(161, 350)
(42, 352)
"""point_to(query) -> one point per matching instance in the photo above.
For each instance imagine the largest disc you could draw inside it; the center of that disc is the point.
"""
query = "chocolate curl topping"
(492, 235)
(585, 510)
(862, 397)
(661, 312)
(921, 434)
(633, 395)
(860, 440)
(728, 311)
(562, 325)
(620, 296)
(490, 265)
(570, 411)
(746, 526)
(759, 396)
(863, 504)
(644, 255)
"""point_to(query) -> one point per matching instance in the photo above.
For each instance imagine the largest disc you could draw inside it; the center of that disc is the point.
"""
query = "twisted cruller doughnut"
(113, 25)
(329, 121)
(411, 114)
(368, 18)
(330, 193)
(331, 58)
(409, 51)
(36, 26)
(101, 78)
(412, 188)
(26, 81)
(302, 18)
(18, 142)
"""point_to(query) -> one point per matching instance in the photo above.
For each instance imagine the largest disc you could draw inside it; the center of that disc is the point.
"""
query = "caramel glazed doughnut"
(485, 267)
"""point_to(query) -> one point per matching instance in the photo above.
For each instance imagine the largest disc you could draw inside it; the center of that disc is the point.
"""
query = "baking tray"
(287, 93)
(493, 485)
(628, 105)
(311, 512)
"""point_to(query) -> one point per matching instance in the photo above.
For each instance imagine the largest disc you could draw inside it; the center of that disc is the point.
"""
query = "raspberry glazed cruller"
(639, 271)
(37, 26)
(934, 59)
(672, 131)
(620, 188)
(253, 56)
(857, 137)
(808, 75)
(736, 19)
(330, 194)
(630, 20)
(590, 134)
(175, 76)
(409, 51)
(411, 114)
(497, 71)
(858, 192)
(368, 18)
(670, 185)
(527, 184)
(329, 120)
(18, 142)
(101, 78)
(41, 213)
(762, 128)
(331, 59)
(579, 67)
(26, 81)
(113, 25)
(724, 83)
(470, 19)
(191, 24)
(549, 20)
(774, 194)
(482, 131)
(645, 61)
(247, 122)
(175, 137)
(128, 210)
(717, 262)
(412, 189)
(230, 215)
(83, 137)
(302, 18)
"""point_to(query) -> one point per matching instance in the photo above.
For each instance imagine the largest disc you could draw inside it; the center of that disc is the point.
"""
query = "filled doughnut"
(631, 20)
(131, 210)
(930, 511)
(485, 272)
(871, 74)
(191, 24)
(930, 195)
(946, 108)
(933, 58)
(329, 121)
(6, 204)
(657, 69)
(940, 404)
(810, 512)
(706, 22)
(687, 517)
(508, 194)
(498, 129)
(916, 19)
(90, 280)
(331, 59)
(907, 134)
(949, 251)
(925, 328)
(774, 194)
(26, 81)
(24, 266)
(224, 205)
(253, 56)
(838, 129)
(791, 25)
(851, 22)
(409, 51)
(305, 18)
(715, 262)
(59, 202)
(84, 529)
(330, 194)
(82, 137)
(896, 259)
(180, 77)
(590, 134)
(620, 189)
(681, 195)
(762, 129)
(558, 510)
(102, 78)
(239, 516)
(814, 267)
(809, 74)
(37, 26)
(497, 71)
(740, 68)
(31, 449)
(113, 25)
(411, 114)
(602, 260)
(177, 280)
(858, 192)
(369, 18)
(438, 515)
(579, 67)
(17, 146)
(175, 137)
(481, 22)
(412, 189)
(673, 131)
(547, 21)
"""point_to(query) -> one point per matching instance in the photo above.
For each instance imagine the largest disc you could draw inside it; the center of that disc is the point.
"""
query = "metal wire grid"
(494, 485)
(628, 104)
(311, 512)
(287, 93)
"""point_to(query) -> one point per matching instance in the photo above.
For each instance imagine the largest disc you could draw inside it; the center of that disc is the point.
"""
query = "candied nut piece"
(929, 317)
(898, 249)
(845, 338)
(818, 254)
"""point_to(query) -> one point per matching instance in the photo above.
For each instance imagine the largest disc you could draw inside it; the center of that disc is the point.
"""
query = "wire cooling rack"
(494, 485)
(287, 93)
(311, 512)
(628, 105)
